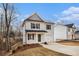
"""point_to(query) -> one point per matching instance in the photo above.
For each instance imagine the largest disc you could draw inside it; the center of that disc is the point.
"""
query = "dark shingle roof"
(35, 31)
(36, 18)
(76, 32)
(69, 25)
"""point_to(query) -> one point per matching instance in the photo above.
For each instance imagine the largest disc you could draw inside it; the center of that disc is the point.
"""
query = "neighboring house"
(77, 35)
(60, 32)
(71, 31)
(36, 30)
(64, 32)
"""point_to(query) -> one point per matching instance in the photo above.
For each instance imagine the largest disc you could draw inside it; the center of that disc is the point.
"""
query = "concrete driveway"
(70, 50)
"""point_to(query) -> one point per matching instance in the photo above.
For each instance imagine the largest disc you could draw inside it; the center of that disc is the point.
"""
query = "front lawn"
(69, 42)
(38, 51)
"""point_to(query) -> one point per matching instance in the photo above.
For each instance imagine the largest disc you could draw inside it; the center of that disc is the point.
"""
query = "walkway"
(70, 50)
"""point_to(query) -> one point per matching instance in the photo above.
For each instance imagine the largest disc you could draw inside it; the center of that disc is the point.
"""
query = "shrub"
(24, 45)
(19, 47)
(13, 51)
(45, 43)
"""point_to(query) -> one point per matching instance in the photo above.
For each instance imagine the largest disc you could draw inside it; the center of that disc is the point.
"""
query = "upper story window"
(32, 25)
(35, 26)
(69, 29)
(48, 27)
(38, 26)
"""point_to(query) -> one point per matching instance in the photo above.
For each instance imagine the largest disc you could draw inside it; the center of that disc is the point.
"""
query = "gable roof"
(76, 32)
(69, 25)
(35, 17)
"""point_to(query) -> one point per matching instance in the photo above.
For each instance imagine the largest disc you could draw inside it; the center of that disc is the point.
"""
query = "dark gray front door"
(39, 37)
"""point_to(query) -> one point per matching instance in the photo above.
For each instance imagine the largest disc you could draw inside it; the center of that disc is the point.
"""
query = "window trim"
(30, 36)
(37, 26)
(48, 27)
(32, 26)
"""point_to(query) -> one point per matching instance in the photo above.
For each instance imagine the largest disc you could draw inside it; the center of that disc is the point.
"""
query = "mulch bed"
(2, 52)
(21, 48)
(27, 46)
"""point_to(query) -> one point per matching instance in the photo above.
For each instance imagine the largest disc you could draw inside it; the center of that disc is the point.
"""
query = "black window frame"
(32, 26)
(30, 36)
(48, 27)
(37, 26)
(69, 30)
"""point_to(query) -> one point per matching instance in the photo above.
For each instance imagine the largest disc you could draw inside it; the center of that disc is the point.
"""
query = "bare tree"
(9, 16)
(1, 31)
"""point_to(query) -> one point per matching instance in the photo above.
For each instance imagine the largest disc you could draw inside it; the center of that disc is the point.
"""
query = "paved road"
(70, 50)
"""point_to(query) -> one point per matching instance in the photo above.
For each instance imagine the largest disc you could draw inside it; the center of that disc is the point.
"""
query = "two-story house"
(64, 32)
(36, 30)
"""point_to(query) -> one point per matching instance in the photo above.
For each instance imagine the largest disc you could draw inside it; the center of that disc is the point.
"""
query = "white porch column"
(36, 38)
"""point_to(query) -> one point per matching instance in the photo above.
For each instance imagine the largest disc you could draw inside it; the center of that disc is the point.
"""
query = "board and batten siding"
(45, 37)
(49, 36)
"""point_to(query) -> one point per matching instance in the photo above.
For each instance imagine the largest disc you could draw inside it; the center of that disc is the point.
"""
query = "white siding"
(60, 32)
(49, 35)
(45, 37)
(76, 36)
(57, 32)
(70, 34)
(42, 25)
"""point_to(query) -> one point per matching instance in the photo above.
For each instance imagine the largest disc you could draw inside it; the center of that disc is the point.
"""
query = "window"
(35, 26)
(32, 25)
(38, 26)
(30, 36)
(68, 29)
(48, 27)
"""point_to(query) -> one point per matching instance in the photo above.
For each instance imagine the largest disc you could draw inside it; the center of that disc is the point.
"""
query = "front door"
(39, 37)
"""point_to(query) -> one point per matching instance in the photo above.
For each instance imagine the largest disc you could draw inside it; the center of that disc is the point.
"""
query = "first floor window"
(30, 36)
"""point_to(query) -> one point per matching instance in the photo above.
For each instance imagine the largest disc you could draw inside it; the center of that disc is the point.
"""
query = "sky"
(55, 12)
(50, 11)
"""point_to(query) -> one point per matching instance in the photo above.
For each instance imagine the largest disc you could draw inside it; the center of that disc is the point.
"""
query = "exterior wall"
(60, 32)
(57, 33)
(35, 39)
(42, 25)
(70, 33)
(76, 36)
(49, 36)
(45, 37)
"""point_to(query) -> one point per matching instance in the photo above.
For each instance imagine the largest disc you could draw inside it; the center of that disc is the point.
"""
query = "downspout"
(53, 33)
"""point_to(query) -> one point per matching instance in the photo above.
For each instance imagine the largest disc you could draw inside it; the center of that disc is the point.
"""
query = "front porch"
(35, 36)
